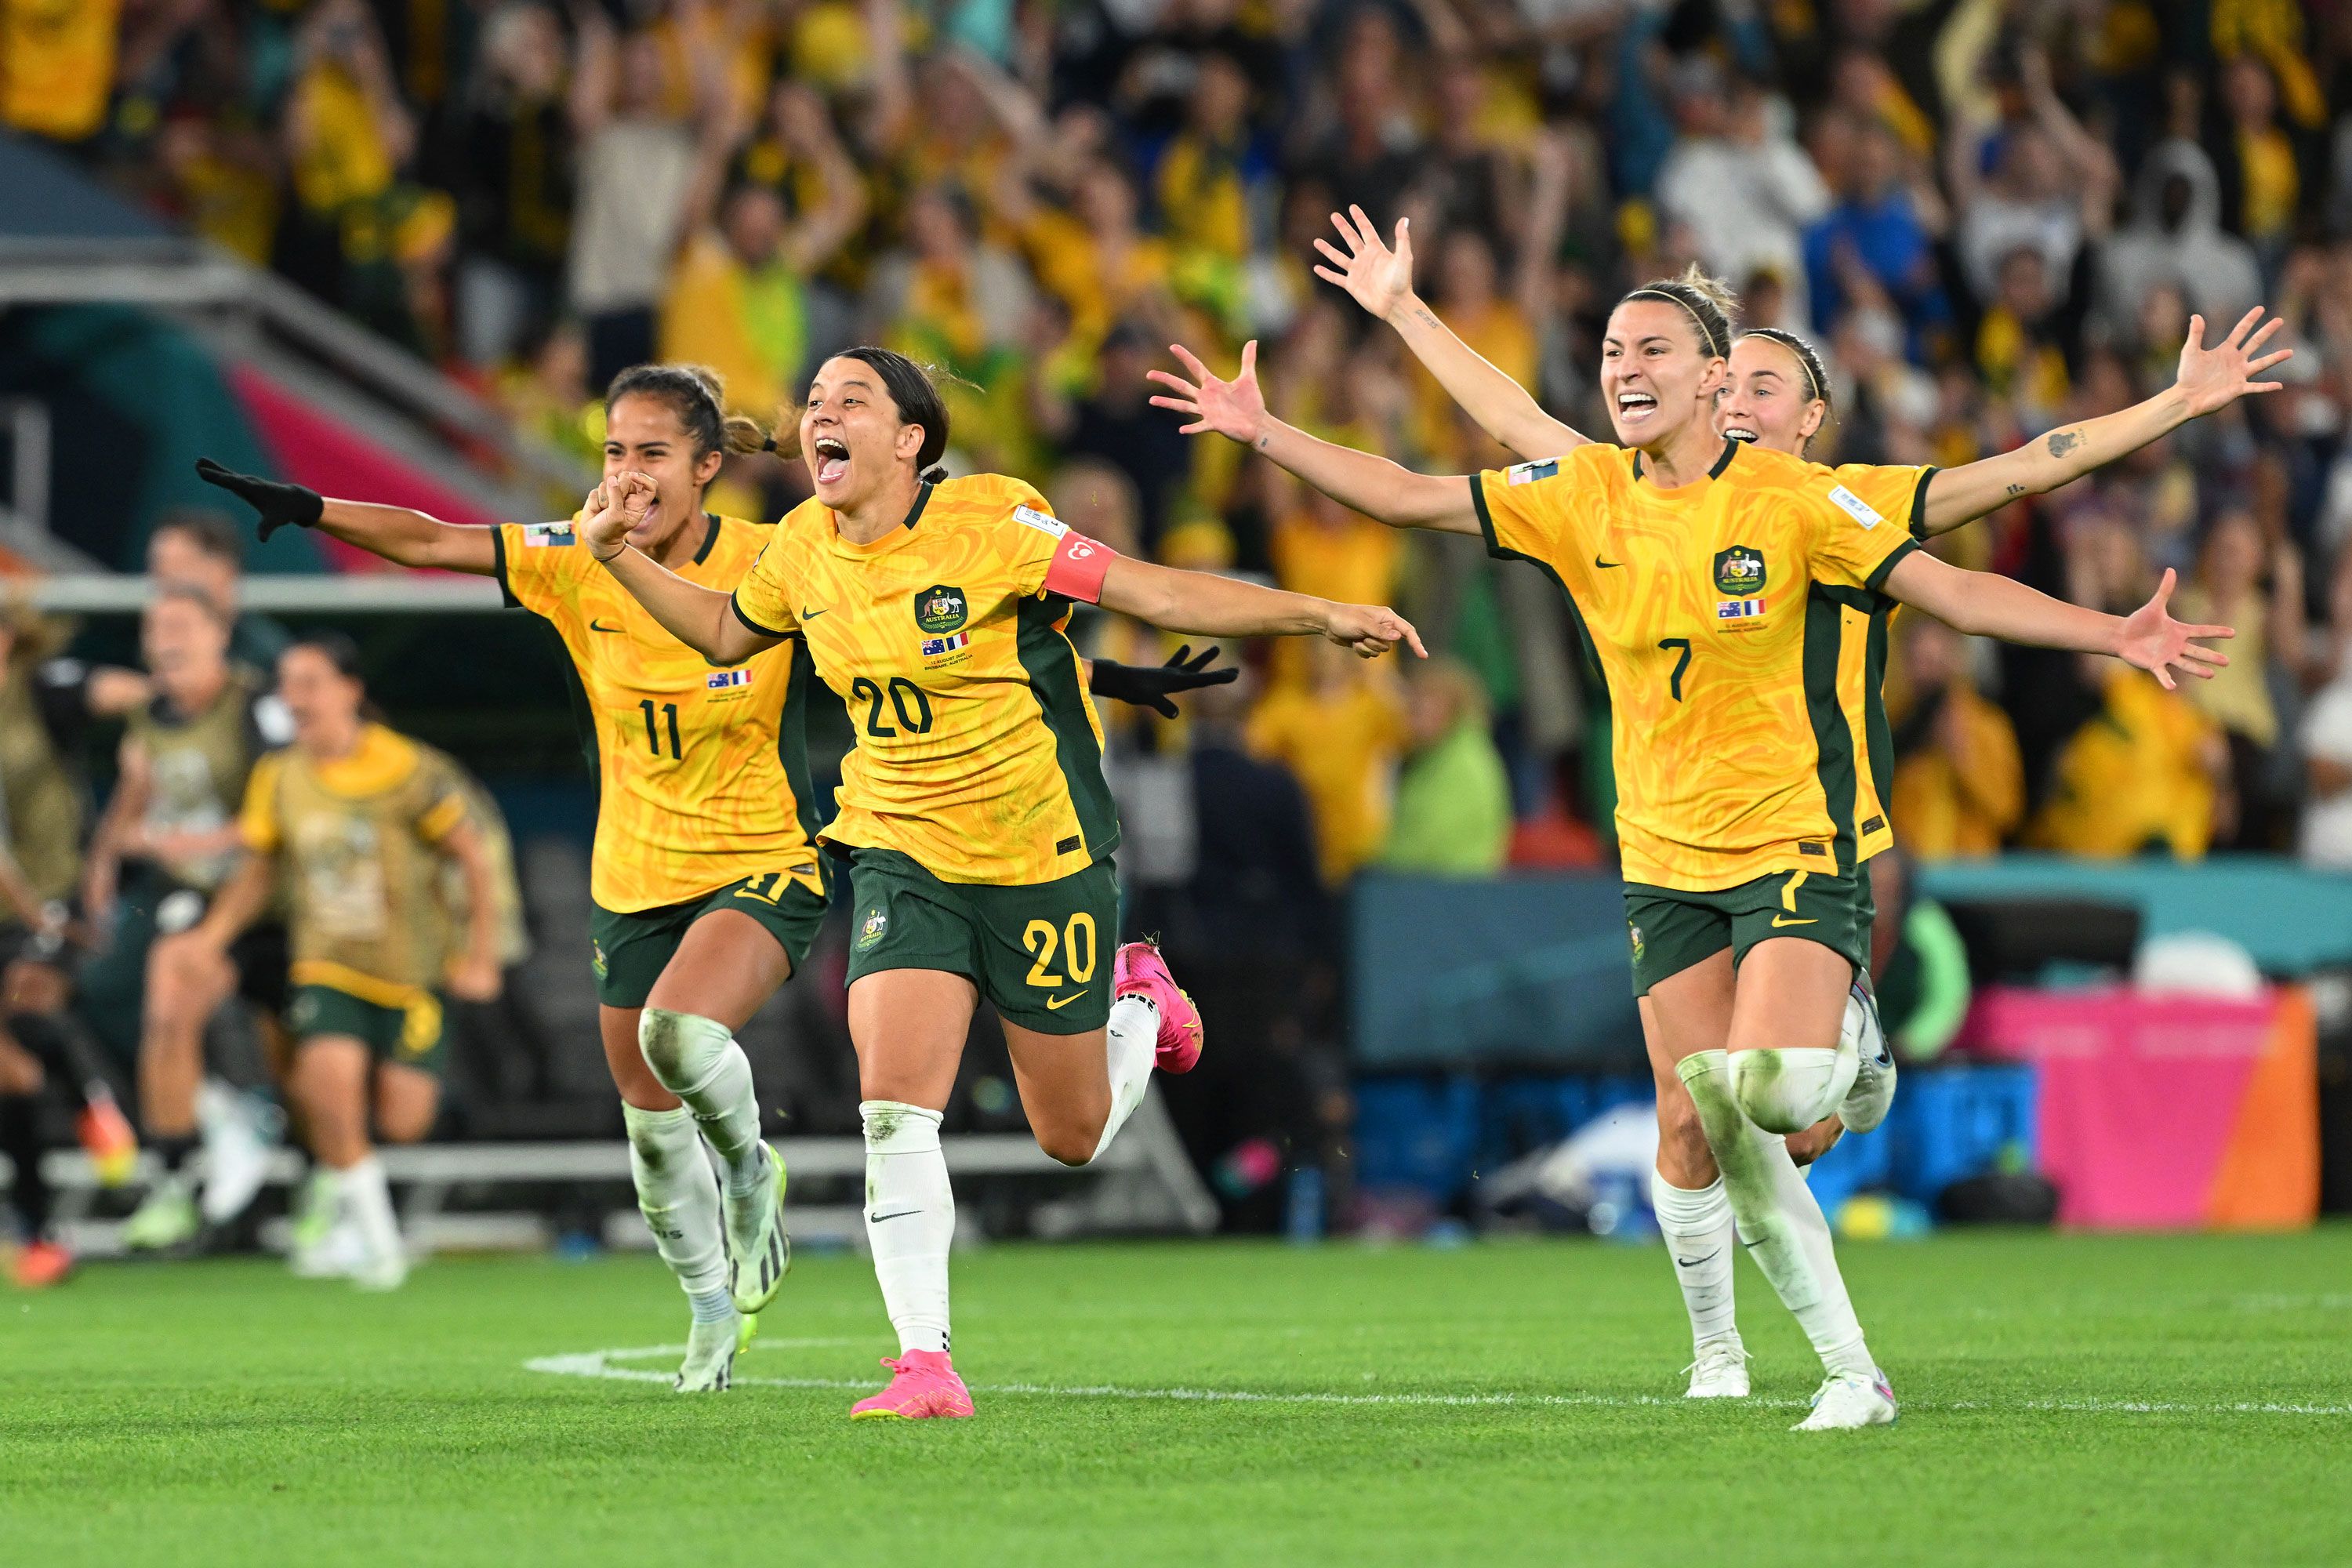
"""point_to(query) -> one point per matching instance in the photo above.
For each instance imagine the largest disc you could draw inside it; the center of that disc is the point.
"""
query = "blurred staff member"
(167, 840)
(352, 821)
(201, 551)
(41, 822)
(1959, 785)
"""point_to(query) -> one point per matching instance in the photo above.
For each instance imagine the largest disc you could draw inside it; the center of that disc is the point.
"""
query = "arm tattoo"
(2063, 442)
(2016, 490)
(1262, 440)
(1426, 318)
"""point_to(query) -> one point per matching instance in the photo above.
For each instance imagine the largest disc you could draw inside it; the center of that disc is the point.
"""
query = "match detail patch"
(721, 679)
(1030, 516)
(1861, 511)
(538, 535)
(1528, 473)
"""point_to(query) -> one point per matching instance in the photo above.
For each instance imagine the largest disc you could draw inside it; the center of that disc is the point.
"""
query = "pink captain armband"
(1079, 568)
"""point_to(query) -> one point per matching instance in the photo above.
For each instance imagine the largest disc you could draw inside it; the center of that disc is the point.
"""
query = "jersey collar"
(1730, 450)
(710, 537)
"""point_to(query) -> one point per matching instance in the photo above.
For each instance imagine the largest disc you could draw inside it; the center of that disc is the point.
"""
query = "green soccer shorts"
(1671, 929)
(628, 951)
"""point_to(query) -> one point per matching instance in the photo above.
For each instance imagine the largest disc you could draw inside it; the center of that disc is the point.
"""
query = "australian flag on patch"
(538, 535)
(721, 679)
(1737, 609)
(1528, 473)
(933, 646)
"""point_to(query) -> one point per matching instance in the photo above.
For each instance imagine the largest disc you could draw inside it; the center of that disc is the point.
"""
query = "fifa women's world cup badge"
(1739, 576)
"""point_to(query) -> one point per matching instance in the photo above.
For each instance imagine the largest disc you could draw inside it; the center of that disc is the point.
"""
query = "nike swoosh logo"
(812, 615)
(1607, 565)
(1055, 1004)
(1785, 920)
(902, 1214)
(601, 626)
(1695, 1262)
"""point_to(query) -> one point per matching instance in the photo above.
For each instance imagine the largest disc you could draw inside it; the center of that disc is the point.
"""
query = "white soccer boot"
(238, 1134)
(1848, 1401)
(1867, 1103)
(1720, 1372)
(710, 1353)
(759, 1252)
(334, 1252)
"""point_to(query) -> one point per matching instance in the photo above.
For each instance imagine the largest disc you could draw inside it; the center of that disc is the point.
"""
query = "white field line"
(601, 1365)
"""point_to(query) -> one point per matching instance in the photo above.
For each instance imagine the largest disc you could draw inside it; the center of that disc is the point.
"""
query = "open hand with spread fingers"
(2211, 378)
(2155, 642)
(1234, 408)
(1369, 630)
(1375, 277)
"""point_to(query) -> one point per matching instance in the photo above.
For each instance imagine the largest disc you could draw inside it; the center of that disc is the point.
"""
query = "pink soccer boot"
(926, 1385)
(1139, 970)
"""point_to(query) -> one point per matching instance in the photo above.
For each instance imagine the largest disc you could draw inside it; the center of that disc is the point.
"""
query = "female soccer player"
(1776, 394)
(707, 891)
(351, 822)
(1725, 592)
(973, 812)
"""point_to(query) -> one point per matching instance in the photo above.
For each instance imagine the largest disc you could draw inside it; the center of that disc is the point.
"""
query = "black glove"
(1149, 687)
(277, 504)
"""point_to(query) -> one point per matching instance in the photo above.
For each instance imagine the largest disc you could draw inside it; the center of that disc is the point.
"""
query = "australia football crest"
(940, 608)
(873, 928)
(1740, 571)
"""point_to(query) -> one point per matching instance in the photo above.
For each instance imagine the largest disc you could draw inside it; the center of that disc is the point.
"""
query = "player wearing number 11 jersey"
(706, 888)
(974, 813)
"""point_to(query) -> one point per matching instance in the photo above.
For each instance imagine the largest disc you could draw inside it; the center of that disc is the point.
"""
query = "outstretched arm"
(395, 533)
(1380, 280)
(1204, 603)
(1374, 486)
(704, 619)
(1986, 604)
(2208, 379)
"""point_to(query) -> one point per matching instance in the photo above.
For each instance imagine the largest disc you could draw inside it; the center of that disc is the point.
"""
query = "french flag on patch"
(1737, 609)
(721, 679)
(934, 646)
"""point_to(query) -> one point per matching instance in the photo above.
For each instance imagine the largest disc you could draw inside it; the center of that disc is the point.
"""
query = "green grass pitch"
(2067, 1400)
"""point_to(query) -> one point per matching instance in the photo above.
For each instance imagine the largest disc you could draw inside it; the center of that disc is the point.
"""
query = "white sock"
(910, 1219)
(679, 1196)
(1788, 1089)
(1700, 1238)
(1131, 1045)
(367, 1199)
(696, 1059)
(1778, 1222)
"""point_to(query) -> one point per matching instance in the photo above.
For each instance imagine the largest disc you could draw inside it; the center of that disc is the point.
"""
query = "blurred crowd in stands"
(1995, 217)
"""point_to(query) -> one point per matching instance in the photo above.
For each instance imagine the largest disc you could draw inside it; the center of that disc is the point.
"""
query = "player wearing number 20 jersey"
(981, 836)
(703, 773)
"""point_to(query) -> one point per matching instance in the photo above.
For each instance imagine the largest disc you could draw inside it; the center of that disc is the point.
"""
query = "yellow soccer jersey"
(978, 752)
(1734, 622)
(702, 772)
(356, 841)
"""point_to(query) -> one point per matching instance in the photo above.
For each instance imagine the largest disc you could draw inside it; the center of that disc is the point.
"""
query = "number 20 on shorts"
(1076, 943)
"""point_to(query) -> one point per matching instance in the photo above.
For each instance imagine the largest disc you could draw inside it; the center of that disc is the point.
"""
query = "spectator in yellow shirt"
(1490, 322)
(2143, 772)
(1959, 787)
(738, 299)
(1341, 732)
(56, 65)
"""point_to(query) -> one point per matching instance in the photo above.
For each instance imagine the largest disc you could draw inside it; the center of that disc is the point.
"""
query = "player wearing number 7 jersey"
(1723, 590)
(973, 814)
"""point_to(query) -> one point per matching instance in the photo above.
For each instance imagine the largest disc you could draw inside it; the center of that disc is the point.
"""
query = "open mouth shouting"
(1739, 430)
(1632, 407)
(831, 459)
